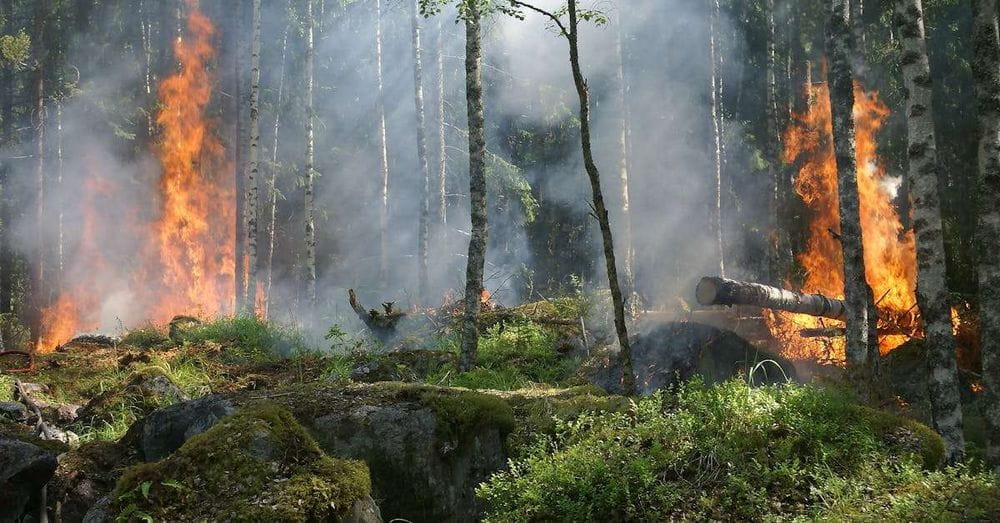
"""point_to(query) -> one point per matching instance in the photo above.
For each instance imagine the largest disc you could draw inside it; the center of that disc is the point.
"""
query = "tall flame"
(194, 248)
(890, 255)
(186, 254)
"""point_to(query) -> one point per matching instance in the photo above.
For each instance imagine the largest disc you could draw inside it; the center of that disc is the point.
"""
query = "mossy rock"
(400, 365)
(906, 436)
(259, 464)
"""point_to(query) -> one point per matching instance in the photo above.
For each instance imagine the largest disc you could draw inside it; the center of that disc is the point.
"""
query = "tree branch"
(554, 18)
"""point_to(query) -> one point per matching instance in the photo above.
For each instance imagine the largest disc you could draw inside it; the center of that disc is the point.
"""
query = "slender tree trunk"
(986, 72)
(628, 375)
(273, 184)
(780, 246)
(60, 229)
(932, 288)
(239, 173)
(715, 221)
(477, 188)
(310, 219)
(418, 99)
(253, 164)
(442, 188)
(840, 50)
(6, 137)
(383, 215)
(623, 167)
(39, 287)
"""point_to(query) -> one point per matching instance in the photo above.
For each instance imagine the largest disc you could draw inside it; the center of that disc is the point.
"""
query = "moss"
(258, 464)
(906, 435)
(147, 337)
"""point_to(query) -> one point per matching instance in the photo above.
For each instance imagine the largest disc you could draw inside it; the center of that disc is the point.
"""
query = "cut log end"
(707, 291)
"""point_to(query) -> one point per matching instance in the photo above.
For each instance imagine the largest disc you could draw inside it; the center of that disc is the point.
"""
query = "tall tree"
(779, 243)
(932, 288)
(273, 184)
(715, 215)
(40, 58)
(442, 155)
(572, 34)
(840, 49)
(253, 164)
(418, 99)
(239, 173)
(383, 149)
(621, 100)
(470, 11)
(986, 74)
(310, 178)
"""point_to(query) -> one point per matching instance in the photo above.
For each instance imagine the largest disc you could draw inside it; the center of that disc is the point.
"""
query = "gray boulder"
(166, 429)
(13, 411)
(24, 469)
(674, 352)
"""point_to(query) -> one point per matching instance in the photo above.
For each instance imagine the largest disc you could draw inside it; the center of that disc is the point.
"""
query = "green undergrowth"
(512, 355)
(249, 337)
(259, 464)
(727, 452)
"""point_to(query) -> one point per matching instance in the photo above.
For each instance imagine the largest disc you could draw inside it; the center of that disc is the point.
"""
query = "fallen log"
(721, 291)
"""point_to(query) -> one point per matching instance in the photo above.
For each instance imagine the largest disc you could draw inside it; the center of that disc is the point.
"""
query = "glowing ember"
(186, 255)
(890, 256)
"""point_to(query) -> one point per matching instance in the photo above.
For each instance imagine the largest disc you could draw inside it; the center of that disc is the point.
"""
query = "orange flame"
(186, 261)
(890, 255)
(194, 249)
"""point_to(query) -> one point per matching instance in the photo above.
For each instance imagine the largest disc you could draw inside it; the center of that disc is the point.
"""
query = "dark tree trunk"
(840, 49)
(477, 188)
(239, 174)
(986, 71)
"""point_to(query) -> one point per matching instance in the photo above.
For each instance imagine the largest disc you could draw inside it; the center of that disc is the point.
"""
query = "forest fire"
(186, 253)
(890, 256)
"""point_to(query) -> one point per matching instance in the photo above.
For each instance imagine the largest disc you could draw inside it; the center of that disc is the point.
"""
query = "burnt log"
(382, 323)
(721, 291)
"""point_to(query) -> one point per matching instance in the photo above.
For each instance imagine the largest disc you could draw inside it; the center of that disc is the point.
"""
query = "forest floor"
(166, 423)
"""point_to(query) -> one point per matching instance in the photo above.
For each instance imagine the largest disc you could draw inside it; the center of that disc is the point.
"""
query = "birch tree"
(383, 150)
(418, 99)
(986, 76)
(932, 288)
(623, 165)
(310, 177)
(273, 183)
(442, 155)
(715, 219)
(840, 50)
(253, 164)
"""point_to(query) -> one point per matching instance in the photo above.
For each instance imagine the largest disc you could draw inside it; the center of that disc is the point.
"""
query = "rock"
(427, 448)
(85, 475)
(258, 464)
(166, 429)
(100, 512)
(142, 393)
(674, 352)
(13, 411)
(364, 511)
(34, 388)
(61, 413)
(24, 469)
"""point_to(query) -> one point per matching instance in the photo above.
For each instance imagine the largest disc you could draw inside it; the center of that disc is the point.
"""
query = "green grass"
(146, 337)
(511, 356)
(248, 337)
(726, 452)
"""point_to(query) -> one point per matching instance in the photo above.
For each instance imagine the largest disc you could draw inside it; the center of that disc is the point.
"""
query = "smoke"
(531, 108)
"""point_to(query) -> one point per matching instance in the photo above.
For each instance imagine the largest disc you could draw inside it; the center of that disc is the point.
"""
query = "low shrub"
(247, 337)
(728, 452)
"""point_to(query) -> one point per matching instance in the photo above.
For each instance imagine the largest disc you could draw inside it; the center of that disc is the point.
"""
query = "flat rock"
(24, 469)
(166, 429)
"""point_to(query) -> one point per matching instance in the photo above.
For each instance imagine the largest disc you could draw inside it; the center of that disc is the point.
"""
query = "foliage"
(14, 49)
(512, 355)
(249, 337)
(723, 452)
